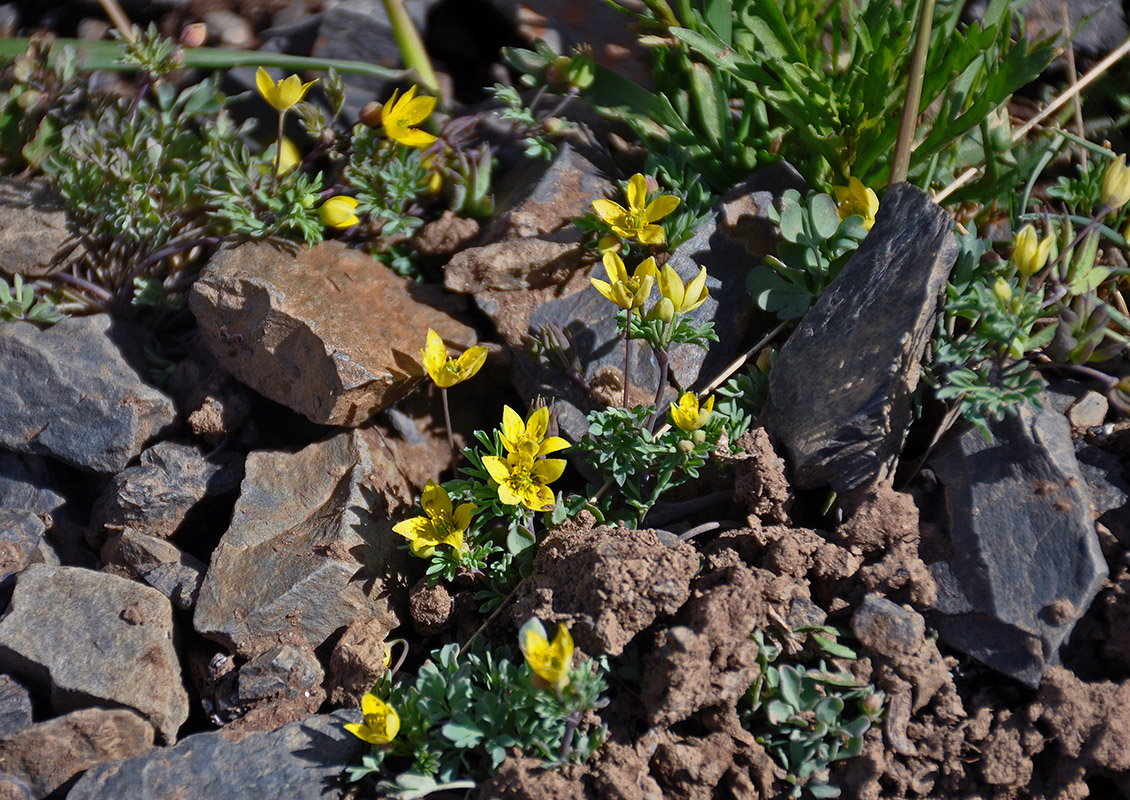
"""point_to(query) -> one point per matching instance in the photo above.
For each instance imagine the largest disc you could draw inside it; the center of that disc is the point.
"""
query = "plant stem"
(900, 163)
(447, 422)
(410, 44)
(571, 723)
(664, 364)
(627, 354)
(278, 153)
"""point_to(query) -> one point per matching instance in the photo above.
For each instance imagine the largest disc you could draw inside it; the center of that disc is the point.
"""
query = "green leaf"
(824, 215)
(790, 685)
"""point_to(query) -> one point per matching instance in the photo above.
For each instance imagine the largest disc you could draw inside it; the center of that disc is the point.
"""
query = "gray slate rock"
(840, 393)
(154, 496)
(15, 707)
(159, 563)
(95, 639)
(288, 570)
(71, 395)
(20, 533)
(25, 484)
(1020, 561)
(1110, 491)
(33, 226)
(300, 761)
(48, 754)
(888, 628)
(1099, 26)
(285, 671)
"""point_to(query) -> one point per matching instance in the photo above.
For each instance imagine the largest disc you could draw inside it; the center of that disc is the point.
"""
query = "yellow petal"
(551, 445)
(433, 356)
(604, 288)
(513, 429)
(471, 361)
(547, 470)
(645, 267)
(661, 206)
(435, 501)
(266, 87)
(462, 517)
(651, 234)
(416, 110)
(337, 212)
(388, 109)
(614, 267)
(508, 496)
(671, 286)
(637, 192)
(696, 292)
(496, 468)
(538, 424)
(413, 137)
(536, 498)
(608, 211)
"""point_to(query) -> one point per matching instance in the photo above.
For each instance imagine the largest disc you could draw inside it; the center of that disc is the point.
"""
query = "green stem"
(447, 423)
(278, 153)
(900, 163)
(627, 353)
(410, 44)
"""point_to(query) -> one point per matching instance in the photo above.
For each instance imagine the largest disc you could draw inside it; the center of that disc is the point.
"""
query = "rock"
(431, 607)
(1019, 561)
(48, 754)
(289, 569)
(71, 395)
(313, 331)
(760, 482)
(283, 671)
(214, 402)
(15, 707)
(1110, 492)
(13, 788)
(25, 484)
(34, 227)
(90, 638)
(158, 563)
(154, 497)
(887, 628)
(519, 778)
(20, 534)
(1088, 411)
(357, 660)
(605, 584)
(840, 392)
(297, 761)
(445, 236)
(228, 29)
(1099, 26)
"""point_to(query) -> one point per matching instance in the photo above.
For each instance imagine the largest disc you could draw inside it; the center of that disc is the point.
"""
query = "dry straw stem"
(1067, 96)
(114, 11)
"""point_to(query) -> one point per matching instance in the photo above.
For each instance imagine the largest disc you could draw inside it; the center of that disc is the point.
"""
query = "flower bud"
(663, 310)
(872, 704)
(765, 360)
(194, 35)
(699, 436)
(581, 71)
(1002, 290)
(1116, 184)
(686, 446)
(370, 114)
(556, 72)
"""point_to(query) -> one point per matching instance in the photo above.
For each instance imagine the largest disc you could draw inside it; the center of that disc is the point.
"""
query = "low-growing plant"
(18, 302)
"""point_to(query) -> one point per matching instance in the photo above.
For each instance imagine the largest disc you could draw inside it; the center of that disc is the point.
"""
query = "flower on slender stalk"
(441, 524)
(637, 221)
(626, 292)
(447, 372)
(1029, 253)
(283, 94)
(688, 415)
(683, 298)
(857, 199)
(525, 481)
(381, 724)
(549, 661)
(401, 116)
(529, 437)
(339, 212)
(1116, 183)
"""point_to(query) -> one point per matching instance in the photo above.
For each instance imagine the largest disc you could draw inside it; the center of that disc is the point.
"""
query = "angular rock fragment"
(71, 395)
(840, 392)
(33, 228)
(15, 707)
(20, 533)
(606, 584)
(298, 761)
(289, 569)
(1019, 561)
(159, 563)
(314, 331)
(89, 639)
(26, 484)
(48, 754)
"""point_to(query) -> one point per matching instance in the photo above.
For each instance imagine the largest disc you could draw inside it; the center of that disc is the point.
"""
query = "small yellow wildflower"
(529, 437)
(1029, 253)
(381, 724)
(1002, 290)
(446, 372)
(441, 525)
(857, 199)
(684, 298)
(637, 220)
(549, 661)
(281, 94)
(624, 291)
(688, 415)
(524, 481)
(338, 212)
(1116, 183)
(400, 118)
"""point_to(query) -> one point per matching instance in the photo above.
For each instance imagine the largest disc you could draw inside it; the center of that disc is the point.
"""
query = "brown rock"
(446, 235)
(528, 779)
(761, 482)
(357, 661)
(691, 769)
(328, 331)
(48, 754)
(515, 264)
(431, 607)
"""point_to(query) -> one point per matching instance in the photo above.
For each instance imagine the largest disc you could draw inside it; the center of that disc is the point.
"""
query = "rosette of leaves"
(18, 302)
(814, 246)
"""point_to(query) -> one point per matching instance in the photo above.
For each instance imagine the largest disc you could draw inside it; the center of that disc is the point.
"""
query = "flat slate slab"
(299, 761)
(68, 393)
(1020, 562)
(840, 392)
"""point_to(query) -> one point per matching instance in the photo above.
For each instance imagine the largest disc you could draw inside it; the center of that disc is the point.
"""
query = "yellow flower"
(549, 661)
(1002, 290)
(447, 372)
(636, 221)
(381, 724)
(684, 299)
(337, 212)
(524, 481)
(1029, 254)
(624, 291)
(1116, 183)
(529, 437)
(688, 415)
(290, 158)
(400, 118)
(857, 199)
(441, 525)
(282, 94)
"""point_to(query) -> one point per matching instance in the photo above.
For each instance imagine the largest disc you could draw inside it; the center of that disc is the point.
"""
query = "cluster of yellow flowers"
(400, 118)
(525, 473)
